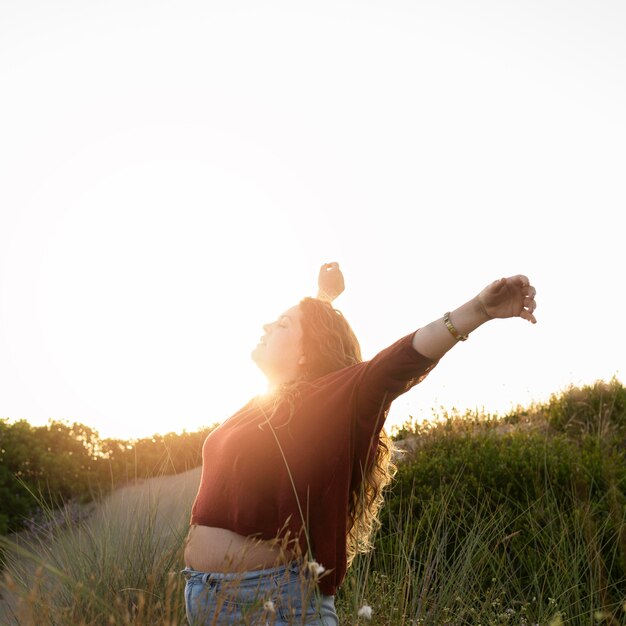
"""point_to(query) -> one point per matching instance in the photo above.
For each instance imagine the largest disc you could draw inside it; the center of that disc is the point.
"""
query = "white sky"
(173, 174)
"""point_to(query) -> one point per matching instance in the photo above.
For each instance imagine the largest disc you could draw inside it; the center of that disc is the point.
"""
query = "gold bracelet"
(453, 331)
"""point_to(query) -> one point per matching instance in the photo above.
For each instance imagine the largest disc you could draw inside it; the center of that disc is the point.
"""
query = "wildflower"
(269, 606)
(365, 611)
(315, 568)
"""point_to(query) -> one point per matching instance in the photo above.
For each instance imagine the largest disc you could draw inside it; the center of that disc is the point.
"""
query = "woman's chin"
(255, 355)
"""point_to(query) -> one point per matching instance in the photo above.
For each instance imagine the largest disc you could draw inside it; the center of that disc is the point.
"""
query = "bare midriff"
(209, 549)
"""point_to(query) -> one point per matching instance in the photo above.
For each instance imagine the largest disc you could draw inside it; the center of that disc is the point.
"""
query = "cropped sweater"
(287, 469)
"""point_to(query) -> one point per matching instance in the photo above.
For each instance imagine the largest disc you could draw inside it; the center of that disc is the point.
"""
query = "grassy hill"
(516, 519)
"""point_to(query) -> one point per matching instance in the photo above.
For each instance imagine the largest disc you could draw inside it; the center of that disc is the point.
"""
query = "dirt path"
(168, 497)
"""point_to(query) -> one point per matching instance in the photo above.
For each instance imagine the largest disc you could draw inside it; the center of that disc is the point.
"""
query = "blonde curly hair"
(329, 344)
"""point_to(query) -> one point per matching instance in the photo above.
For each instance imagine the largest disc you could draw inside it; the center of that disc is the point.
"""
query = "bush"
(533, 504)
(59, 463)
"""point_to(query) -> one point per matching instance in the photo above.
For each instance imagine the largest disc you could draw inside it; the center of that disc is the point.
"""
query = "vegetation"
(518, 519)
(46, 467)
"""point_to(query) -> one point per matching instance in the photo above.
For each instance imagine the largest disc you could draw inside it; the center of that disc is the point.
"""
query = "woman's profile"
(292, 483)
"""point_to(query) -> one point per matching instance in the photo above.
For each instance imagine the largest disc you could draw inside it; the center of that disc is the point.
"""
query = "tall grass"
(451, 565)
(458, 565)
(485, 525)
(120, 566)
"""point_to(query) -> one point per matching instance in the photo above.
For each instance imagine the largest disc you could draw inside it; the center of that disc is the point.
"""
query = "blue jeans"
(279, 596)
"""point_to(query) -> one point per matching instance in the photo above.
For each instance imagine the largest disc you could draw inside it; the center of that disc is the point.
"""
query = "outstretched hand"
(330, 282)
(509, 297)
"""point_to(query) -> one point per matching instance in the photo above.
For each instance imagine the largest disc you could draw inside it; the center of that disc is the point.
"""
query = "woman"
(291, 484)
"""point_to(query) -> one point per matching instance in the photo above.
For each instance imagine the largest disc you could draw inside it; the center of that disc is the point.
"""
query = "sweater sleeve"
(392, 372)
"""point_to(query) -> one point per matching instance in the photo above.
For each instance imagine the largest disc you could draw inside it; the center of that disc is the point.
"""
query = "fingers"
(330, 280)
(326, 268)
(529, 308)
(528, 292)
(529, 305)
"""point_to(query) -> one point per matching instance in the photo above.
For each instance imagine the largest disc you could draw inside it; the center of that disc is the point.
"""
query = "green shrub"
(49, 466)
(524, 507)
(598, 410)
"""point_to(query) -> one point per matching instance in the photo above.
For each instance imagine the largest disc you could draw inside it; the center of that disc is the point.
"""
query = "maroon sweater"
(295, 471)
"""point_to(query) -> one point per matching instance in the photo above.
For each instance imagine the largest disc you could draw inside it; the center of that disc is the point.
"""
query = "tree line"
(48, 466)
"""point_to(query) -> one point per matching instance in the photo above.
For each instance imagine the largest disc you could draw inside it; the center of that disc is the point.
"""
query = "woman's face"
(279, 352)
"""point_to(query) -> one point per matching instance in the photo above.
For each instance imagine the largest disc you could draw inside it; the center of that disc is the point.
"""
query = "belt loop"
(205, 578)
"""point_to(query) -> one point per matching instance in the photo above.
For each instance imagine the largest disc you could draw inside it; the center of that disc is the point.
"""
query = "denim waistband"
(204, 577)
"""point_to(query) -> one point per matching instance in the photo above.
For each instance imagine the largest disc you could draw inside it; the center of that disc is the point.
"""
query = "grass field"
(106, 567)
(500, 538)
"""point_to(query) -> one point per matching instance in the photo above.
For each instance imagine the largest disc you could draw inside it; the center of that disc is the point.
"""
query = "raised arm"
(503, 298)
(330, 282)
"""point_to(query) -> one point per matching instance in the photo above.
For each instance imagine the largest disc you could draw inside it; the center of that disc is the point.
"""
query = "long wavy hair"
(329, 344)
